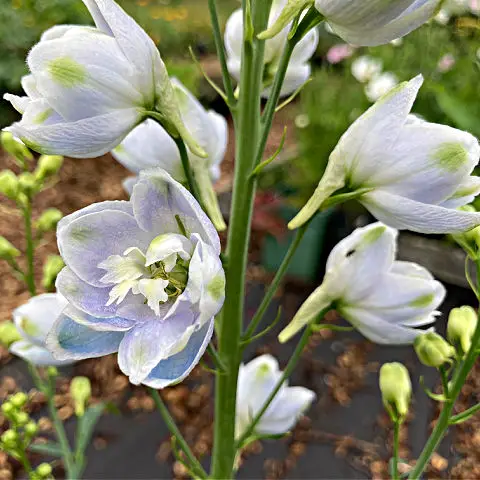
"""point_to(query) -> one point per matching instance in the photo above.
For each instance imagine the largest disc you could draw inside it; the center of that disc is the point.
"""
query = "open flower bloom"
(370, 22)
(382, 298)
(256, 381)
(149, 145)
(145, 279)
(408, 173)
(299, 69)
(34, 320)
(89, 87)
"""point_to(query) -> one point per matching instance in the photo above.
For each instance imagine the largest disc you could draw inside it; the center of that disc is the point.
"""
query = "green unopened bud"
(7, 250)
(396, 389)
(8, 184)
(51, 269)
(48, 219)
(31, 429)
(469, 240)
(15, 147)
(19, 400)
(21, 418)
(462, 323)
(8, 409)
(44, 470)
(48, 166)
(9, 437)
(9, 333)
(52, 372)
(80, 391)
(433, 350)
(27, 183)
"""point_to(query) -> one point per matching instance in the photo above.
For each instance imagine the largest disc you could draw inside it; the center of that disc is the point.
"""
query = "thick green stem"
(259, 314)
(454, 391)
(231, 320)
(172, 426)
(30, 248)
(217, 35)
(292, 363)
(396, 435)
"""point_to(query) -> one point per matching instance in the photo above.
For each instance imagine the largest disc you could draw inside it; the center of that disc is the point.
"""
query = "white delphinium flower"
(34, 320)
(364, 68)
(149, 145)
(380, 85)
(299, 69)
(89, 87)
(363, 22)
(256, 381)
(410, 174)
(382, 298)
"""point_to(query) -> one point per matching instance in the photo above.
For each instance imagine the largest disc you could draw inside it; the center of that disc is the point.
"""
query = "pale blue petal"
(157, 198)
(35, 354)
(92, 238)
(110, 324)
(68, 340)
(177, 367)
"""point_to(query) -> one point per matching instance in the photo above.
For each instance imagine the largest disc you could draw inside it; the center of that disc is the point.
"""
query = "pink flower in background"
(446, 63)
(340, 52)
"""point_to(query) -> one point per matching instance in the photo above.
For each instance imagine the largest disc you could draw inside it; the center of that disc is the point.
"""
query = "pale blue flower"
(143, 278)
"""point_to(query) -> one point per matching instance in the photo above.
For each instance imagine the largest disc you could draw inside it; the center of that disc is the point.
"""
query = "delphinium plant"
(147, 278)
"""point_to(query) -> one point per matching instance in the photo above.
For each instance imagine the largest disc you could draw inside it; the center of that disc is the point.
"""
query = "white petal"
(234, 35)
(403, 213)
(35, 318)
(29, 85)
(218, 145)
(465, 193)
(20, 104)
(154, 291)
(305, 49)
(88, 138)
(35, 354)
(165, 245)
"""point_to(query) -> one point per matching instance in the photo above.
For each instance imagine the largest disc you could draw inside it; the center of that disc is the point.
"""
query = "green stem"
(186, 167)
(30, 248)
(259, 314)
(396, 435)
(466, 414)
(67, 455)
(22, 456)
(172, 426)
(219, 45)
(292, 363)
(445, 416)
(231, 319)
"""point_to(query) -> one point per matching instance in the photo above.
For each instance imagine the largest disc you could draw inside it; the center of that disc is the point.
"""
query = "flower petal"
(147, 344)
(90, 239)
(35, 318)
(88, 138)
(35, 354)
(157, 199)
(177, 367)
(403, 213)
(69, 340)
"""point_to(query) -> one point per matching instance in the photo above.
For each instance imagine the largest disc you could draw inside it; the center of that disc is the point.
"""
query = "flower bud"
(8, 184)
(15, 148)
(51, 268)
(9, 333)
(469, 240)
(7, 250)
(52, 372)
(21, 418)
(31, 429)
(48, 220)
(19, 400)
(9, 437)
(48, 165)
(396, 389)
(80, 391)
(7, 409)
(44, 470)
(433, 350)
(27, 183)
(462, 323)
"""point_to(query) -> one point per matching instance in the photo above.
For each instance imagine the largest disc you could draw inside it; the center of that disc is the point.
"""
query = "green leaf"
(87, 425)
(50, 448)
(344, 197)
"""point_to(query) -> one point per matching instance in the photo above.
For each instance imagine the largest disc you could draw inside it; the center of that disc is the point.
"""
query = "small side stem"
(292, 363)
(172, 426)
(30, 248)
(22, 456)
(186, 167)
(465, 414)
(259, 314)
(445, 416)
(396, 435)
(217, 35)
